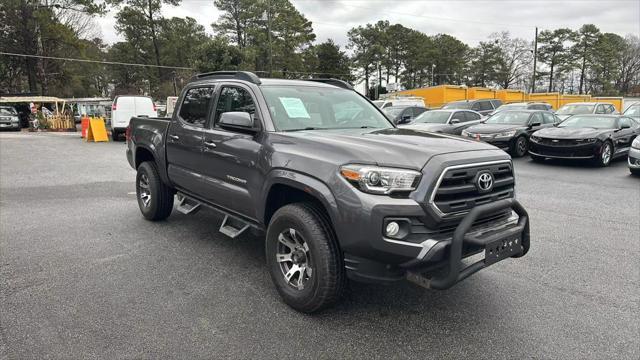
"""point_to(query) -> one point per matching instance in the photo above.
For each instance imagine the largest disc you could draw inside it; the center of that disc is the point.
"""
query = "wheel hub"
(143, 190)
(294, 259)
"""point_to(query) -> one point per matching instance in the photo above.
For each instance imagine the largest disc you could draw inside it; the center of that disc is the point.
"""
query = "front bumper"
(12, 125)
(584, 151)
(634, 158)
(437, 252)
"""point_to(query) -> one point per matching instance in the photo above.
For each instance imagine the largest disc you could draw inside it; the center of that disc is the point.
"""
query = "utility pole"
(175, 87)
(535, 57)
(269, 35)
(433, 68)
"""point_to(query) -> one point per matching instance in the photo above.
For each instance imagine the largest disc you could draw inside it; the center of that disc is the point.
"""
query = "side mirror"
(625, 126)
(454, 121)
(534, 124)
(236, 120)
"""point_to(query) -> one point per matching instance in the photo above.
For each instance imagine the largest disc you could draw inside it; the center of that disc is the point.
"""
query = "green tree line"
(274, 39)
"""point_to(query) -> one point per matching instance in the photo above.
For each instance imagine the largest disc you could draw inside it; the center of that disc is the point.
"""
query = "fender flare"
(160, 163)
(303, 182)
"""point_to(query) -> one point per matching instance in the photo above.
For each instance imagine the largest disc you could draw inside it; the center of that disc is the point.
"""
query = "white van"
(400, 101)
(127, 106)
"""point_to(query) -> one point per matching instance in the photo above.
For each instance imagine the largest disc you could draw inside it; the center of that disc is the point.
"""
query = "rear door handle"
(210, 144)
(174, 137)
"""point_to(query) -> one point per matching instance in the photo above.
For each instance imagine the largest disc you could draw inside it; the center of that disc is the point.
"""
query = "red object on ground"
(84, 124)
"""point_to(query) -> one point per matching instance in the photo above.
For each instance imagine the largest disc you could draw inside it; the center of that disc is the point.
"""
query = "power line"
(161, 66)
(95, 61)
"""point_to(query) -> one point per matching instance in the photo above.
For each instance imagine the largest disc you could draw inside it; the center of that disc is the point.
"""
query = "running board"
(233, 227)
(187, 205)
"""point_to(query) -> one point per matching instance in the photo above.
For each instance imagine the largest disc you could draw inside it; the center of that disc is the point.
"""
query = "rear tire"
(155, 198)
(115, 135)
(299, 238)
(605, 156)
(634, 172)
(520, 147)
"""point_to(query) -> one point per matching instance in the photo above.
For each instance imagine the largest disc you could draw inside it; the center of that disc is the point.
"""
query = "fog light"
(392, 229)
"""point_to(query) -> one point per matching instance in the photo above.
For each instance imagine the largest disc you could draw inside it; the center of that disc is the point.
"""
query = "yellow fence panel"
(568, 99)
(474, 93)
(511, 96)
(552, 99)
(436, 96)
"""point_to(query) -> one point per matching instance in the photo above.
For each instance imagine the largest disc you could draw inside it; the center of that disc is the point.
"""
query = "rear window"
(195, 106)
(458, 105)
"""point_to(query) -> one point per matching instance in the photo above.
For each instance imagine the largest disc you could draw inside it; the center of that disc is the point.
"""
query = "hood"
(400, 147)
(570, 133)
(428, 127)
(493, 128)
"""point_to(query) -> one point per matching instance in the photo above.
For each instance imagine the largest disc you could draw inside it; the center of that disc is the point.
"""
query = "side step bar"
(232, 226)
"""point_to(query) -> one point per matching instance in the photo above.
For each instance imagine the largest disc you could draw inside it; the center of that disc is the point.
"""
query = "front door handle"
(210, 144)
(174, 137)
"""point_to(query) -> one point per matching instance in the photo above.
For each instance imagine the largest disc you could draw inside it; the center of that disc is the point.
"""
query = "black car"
(510, 130)
(403, 114)
(445, 121)
(483, 106)
(599, 138)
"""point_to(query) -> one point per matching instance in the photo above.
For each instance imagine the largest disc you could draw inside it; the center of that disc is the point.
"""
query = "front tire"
(605, 156)
(155, 198)
(520, 147)
(303, 258)
(634, 172)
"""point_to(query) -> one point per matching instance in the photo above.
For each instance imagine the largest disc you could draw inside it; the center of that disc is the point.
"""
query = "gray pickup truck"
(337, 190)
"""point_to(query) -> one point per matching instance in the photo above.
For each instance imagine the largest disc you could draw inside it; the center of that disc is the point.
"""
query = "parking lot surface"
(83, 275)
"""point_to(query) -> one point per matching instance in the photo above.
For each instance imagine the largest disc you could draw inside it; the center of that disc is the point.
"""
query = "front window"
(392, 112)
(596, 122)
(309, 108)
(633, 111)
(8, 111)
(509, 117)
(458, 105)
(575, 109)
(433, 117)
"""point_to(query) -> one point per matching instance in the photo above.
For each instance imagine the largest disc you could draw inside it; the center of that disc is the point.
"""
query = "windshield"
(509, 117)
(433, 117)
(458, 105)
(575, 109)
(313, 108)
(7, 111)
(633, 111)
(596, 122)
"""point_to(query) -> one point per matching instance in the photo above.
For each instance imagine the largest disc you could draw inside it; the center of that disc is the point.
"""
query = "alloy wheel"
(606, 153)
(144, 190)
(294, 258)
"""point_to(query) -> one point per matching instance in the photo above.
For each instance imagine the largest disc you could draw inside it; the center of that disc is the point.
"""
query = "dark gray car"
(337, 190)
(483, 106)
(445, 121)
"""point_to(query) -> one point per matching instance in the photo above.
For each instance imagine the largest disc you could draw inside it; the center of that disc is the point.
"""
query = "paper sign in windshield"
(294, 107)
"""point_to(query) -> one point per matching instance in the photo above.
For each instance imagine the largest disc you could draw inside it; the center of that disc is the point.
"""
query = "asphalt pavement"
(83, 275)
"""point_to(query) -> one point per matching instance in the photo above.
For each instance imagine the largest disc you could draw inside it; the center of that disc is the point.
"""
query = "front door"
(185, 139)
(231, 171)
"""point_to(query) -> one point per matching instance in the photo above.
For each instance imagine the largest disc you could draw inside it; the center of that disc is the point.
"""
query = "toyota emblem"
(484, 181)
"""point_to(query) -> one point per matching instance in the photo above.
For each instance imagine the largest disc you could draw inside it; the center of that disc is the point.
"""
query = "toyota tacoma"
(338, 191)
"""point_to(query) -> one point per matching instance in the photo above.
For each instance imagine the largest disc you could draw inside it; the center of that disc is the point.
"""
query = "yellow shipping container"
(480, 93)
(436, 96)
(616, 101)
(511, 96)
(552, 99)
(568, 99)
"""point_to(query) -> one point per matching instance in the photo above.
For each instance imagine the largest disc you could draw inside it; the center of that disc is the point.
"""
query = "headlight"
(506, 134)
(534, 138)
(636, 143)
(586, 141)
(380, 180)
(465, 133)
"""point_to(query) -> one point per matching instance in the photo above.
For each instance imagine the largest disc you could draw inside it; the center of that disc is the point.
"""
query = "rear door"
(185, 139)
(145, 107)
(125, 108)
(231, 172)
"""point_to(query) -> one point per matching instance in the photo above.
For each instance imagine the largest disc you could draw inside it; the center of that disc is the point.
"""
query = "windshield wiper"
(307, 128)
